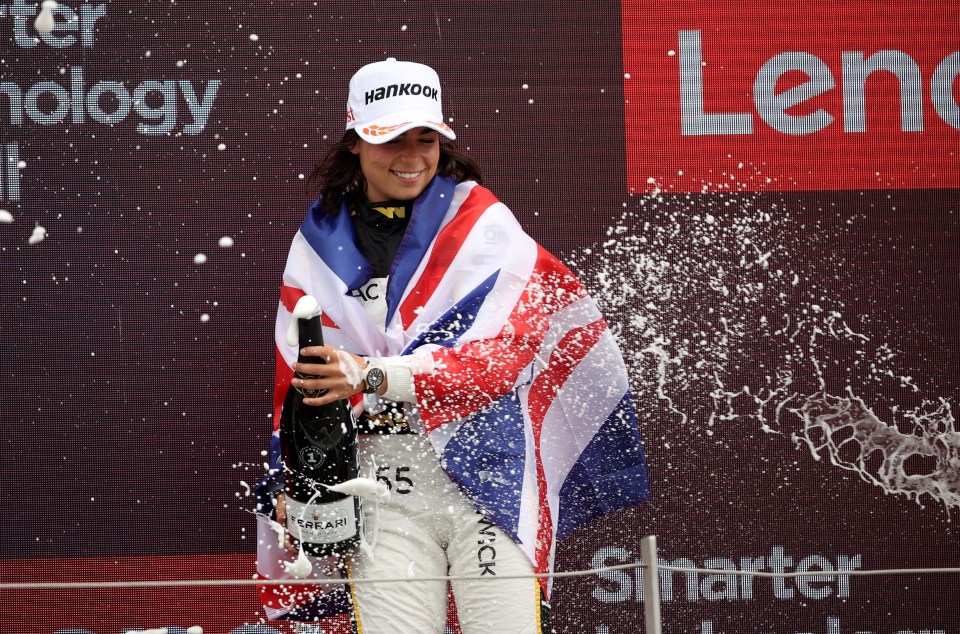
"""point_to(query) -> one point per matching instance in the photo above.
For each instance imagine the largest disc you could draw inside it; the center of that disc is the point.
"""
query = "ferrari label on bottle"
(327, 523)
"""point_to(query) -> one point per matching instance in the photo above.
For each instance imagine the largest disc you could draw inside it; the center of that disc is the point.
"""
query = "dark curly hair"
(338, 178)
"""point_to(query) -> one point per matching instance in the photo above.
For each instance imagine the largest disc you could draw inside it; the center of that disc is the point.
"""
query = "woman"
(472, 352)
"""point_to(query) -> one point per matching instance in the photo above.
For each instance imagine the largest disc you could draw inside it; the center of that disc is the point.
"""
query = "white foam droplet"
(6, 216)
(280, 531)
(299, 569)
(351, 370)
(199, 258)
(254, 37)
(361, 487)
(306, 308)
(194, 629)
(226, 242)
(222, 147)
(204, 318)
(44, 21)
(39, 233)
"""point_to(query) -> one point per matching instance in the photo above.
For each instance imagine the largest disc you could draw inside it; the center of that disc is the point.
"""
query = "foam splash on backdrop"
(721, 319)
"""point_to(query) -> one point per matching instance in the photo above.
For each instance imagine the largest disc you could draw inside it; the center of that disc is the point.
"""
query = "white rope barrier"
(814, 573)
(169, 583)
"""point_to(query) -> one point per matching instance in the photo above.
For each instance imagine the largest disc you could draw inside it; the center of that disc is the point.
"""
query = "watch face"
(374, 379)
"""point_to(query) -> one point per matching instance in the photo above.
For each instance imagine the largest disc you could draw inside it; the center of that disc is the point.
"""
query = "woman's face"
(401, 168)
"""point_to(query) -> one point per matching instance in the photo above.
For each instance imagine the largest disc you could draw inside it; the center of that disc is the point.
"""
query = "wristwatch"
(373, 377)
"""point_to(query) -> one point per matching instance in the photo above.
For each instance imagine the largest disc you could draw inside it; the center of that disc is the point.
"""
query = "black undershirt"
(379, 228)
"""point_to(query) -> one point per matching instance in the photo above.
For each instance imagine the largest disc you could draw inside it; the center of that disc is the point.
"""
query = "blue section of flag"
(611, 473)
(448, 329)
(486, 456)
(320, 605)
(333, 239)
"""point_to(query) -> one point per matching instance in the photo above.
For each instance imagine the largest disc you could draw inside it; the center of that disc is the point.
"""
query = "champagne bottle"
(319, 446)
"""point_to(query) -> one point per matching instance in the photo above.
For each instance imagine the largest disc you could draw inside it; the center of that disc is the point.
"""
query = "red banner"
(215, 609)
(760, 95)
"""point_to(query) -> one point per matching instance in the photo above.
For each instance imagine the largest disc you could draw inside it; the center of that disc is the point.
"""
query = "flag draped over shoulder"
(522, 389)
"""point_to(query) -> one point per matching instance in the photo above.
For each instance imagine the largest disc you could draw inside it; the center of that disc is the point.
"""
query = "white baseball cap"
(388, 98)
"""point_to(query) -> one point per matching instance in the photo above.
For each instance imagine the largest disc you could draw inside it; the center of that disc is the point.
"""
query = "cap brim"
(393, 125)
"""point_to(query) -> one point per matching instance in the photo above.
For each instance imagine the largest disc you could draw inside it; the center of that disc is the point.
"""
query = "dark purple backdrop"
(130, 425)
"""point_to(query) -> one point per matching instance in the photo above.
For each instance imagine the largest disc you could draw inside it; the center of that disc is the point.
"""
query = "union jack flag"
(522, 389)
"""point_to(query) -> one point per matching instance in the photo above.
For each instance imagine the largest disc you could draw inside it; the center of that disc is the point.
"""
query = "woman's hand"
(281, 505)
(338, 372)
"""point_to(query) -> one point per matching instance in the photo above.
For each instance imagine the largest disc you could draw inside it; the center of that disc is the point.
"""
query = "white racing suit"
(428, 528)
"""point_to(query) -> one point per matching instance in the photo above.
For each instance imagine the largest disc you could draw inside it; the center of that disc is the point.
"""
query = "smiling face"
(401, 168)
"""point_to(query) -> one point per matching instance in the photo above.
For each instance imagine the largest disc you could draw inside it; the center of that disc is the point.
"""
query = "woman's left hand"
(337, 371)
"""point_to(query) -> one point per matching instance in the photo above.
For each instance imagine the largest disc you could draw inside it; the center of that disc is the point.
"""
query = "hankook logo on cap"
(401, 90)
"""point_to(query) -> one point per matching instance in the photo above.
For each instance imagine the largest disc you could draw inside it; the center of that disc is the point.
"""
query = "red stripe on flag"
(296, 593)
(467, 383)
(290, 295)
(569, 352)
(467, 377)
(445, 249)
